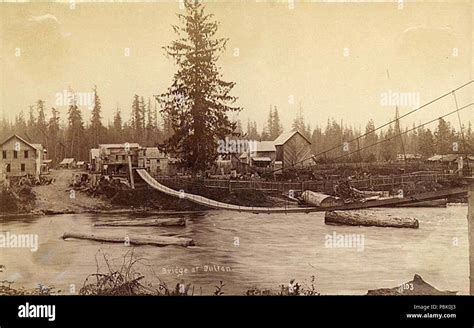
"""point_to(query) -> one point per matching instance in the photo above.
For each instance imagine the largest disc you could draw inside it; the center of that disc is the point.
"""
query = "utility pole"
(470, 231)
(132, 182)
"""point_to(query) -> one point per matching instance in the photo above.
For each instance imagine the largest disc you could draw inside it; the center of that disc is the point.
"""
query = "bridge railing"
(384, 183)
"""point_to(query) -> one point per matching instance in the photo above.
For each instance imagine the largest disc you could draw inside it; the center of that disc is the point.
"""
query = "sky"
(329, 60)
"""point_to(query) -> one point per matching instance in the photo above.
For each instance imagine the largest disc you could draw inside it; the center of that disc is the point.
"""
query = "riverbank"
(60, 197)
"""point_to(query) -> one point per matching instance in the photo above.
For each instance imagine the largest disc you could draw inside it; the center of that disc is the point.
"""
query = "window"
(15, 154)
(4, 154)
(116, 157)
(22, 167)
(123, 157)
(8, 167)
(26, 154)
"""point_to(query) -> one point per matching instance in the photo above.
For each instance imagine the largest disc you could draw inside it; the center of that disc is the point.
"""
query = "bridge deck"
(201, 200)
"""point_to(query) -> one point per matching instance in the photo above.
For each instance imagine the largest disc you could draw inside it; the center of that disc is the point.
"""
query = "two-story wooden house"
(19, 157)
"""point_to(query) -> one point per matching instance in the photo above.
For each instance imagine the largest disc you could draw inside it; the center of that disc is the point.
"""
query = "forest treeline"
(70, 134)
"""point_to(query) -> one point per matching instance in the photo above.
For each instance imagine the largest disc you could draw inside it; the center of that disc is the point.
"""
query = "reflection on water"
(245, 250)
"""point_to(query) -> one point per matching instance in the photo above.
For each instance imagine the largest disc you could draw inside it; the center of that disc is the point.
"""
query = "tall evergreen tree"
(444, 138)
(54, 144)
(96, 128)
(75, 133)
(198, 101)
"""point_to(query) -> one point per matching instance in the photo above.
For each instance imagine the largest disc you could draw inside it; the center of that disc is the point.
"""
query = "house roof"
(67, 161)
(35, 146)
(80, 162)
(265, 146)
(261, 159)
(122, 145)
(284, 137)
(47, 161)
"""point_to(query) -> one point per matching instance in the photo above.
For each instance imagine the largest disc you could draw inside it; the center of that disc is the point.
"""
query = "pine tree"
(198, 101)
(274, 127)
(370, 138)
(54, 136)
(75, 133)
(137, 120)
(96, 127)
(426, 142)
(443, 138)
(20, 125)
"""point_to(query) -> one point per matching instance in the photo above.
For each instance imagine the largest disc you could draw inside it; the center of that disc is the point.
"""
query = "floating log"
(133, 239)
(146, 212)
(365, 218)
(320, 200)
(143, 223)
(415, 287)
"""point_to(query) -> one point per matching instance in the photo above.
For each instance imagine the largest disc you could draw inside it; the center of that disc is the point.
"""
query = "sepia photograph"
(237, 148)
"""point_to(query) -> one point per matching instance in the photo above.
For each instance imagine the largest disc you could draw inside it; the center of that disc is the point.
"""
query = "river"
(254, 250)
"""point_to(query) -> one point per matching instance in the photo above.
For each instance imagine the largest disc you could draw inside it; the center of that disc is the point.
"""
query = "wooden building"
(153, 160)
(293, 149)
(68, 163)
(262, 156)
(20, 157)
(114, 158)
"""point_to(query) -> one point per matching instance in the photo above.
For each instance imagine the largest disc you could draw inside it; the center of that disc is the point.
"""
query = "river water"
(253, 250)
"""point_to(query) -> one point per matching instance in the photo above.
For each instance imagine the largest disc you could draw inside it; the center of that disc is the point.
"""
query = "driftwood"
(133, 239)
(365, 218)
(415, 287)
(143, 223)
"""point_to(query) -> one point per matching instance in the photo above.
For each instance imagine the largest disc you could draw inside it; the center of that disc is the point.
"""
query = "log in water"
(143, 223)
(366, 218)
(133, 239)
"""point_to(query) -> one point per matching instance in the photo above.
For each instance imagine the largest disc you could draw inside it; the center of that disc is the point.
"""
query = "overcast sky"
(332, 59)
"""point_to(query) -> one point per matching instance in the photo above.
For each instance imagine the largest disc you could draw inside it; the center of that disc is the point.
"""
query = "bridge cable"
(462, 133)
(409, 130)
(379, 127)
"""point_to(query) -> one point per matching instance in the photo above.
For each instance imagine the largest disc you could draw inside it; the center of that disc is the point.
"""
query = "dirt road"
(59, 197)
